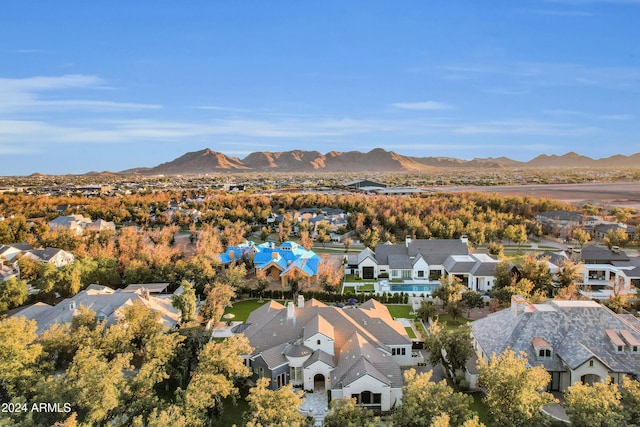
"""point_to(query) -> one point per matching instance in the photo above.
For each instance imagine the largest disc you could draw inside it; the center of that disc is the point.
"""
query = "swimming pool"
(414, 288)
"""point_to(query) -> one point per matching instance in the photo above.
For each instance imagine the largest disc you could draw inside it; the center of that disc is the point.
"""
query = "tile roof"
(576, 330)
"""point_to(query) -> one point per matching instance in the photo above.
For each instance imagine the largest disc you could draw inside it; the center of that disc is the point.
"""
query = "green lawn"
(232, 413)
(479, 407)
(242, 309)
(451, 324)
(398, 310)
(410, 332)
(348, 290)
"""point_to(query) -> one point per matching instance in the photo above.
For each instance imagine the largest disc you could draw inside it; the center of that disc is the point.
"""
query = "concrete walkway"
(315, 405)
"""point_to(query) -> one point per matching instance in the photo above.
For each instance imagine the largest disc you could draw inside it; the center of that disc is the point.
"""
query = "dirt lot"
(625, 194)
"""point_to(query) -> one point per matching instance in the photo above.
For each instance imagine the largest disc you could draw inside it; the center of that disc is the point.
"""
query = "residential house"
(600, 231)
(355, 352)
(101, 225)
(575, 341)
(424, 260)
(107, 303)
(74, 223)
(606, 271)
(560, 223)
(278, 262)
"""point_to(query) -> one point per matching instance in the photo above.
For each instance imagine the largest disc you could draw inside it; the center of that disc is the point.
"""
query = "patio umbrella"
(228, 316)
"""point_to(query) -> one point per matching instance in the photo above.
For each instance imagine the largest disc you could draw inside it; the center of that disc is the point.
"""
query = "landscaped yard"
(242, 309)
(410, 332)
(451, 324)
(479, 407)
(400, 310)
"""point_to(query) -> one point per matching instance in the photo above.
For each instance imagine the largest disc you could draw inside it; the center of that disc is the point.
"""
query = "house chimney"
(407, 240)
(274, 255)
(464, 239)
(518, 305)
(232, 254)
(300, 301)
(291, 311)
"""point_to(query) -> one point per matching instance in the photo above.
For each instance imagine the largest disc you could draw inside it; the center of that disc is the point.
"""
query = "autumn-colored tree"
(595, 405)
(515, 393)
(220, 365)
(345, 413)
(218, 297)
(424, 400)
(274, 408)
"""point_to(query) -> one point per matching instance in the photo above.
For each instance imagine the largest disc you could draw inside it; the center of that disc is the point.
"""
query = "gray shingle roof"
(400, 262)
(574, 329)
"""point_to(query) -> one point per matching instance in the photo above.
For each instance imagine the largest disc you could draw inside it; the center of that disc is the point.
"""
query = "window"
(318, 342)
(634, 349)
(591, 363)
(420, 273)
(620, 349)
(393, 351)
(406, 274)
(394, 273)
(404, 351)
(541, 353)
(356, 397)
(547, 353)
(366, 397)
(377, 398)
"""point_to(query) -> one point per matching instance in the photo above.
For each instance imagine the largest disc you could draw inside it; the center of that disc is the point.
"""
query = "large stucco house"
(425, 260)
(575, 341)
(345, 352)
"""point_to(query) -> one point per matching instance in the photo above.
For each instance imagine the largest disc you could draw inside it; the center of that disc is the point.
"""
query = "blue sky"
(113, 85)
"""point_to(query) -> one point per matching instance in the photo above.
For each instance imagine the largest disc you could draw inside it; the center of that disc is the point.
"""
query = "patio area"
(315, 405)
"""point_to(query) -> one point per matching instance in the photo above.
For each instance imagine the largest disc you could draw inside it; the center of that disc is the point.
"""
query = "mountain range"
(376, 160)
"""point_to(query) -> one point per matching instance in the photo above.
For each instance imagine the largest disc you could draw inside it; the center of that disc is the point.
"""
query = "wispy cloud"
(524, 127)
(424, 105)
(20, 95)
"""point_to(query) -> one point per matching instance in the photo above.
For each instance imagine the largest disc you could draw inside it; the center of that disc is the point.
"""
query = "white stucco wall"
(368, 383)
(314, 369)
(326, 344)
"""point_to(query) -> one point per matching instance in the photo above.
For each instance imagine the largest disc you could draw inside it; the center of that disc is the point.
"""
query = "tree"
(274, 407)
(472, 299)
(217, 299)
(305, 240)
(619, 237)
(185, 302)
(423, 401)
(496, 249)
(581, 236)
(220, 365)
(345, 413)
(13, 293)
(595, 405)
(538, 272)
(450, 293)
(568, 274)
(631, 400)
(347, 243)
(264, 234)
(18, 354)
(426, 310)
(235, 276)
(370, 237)
(515, 395)
(503, 274)
(451, 347)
